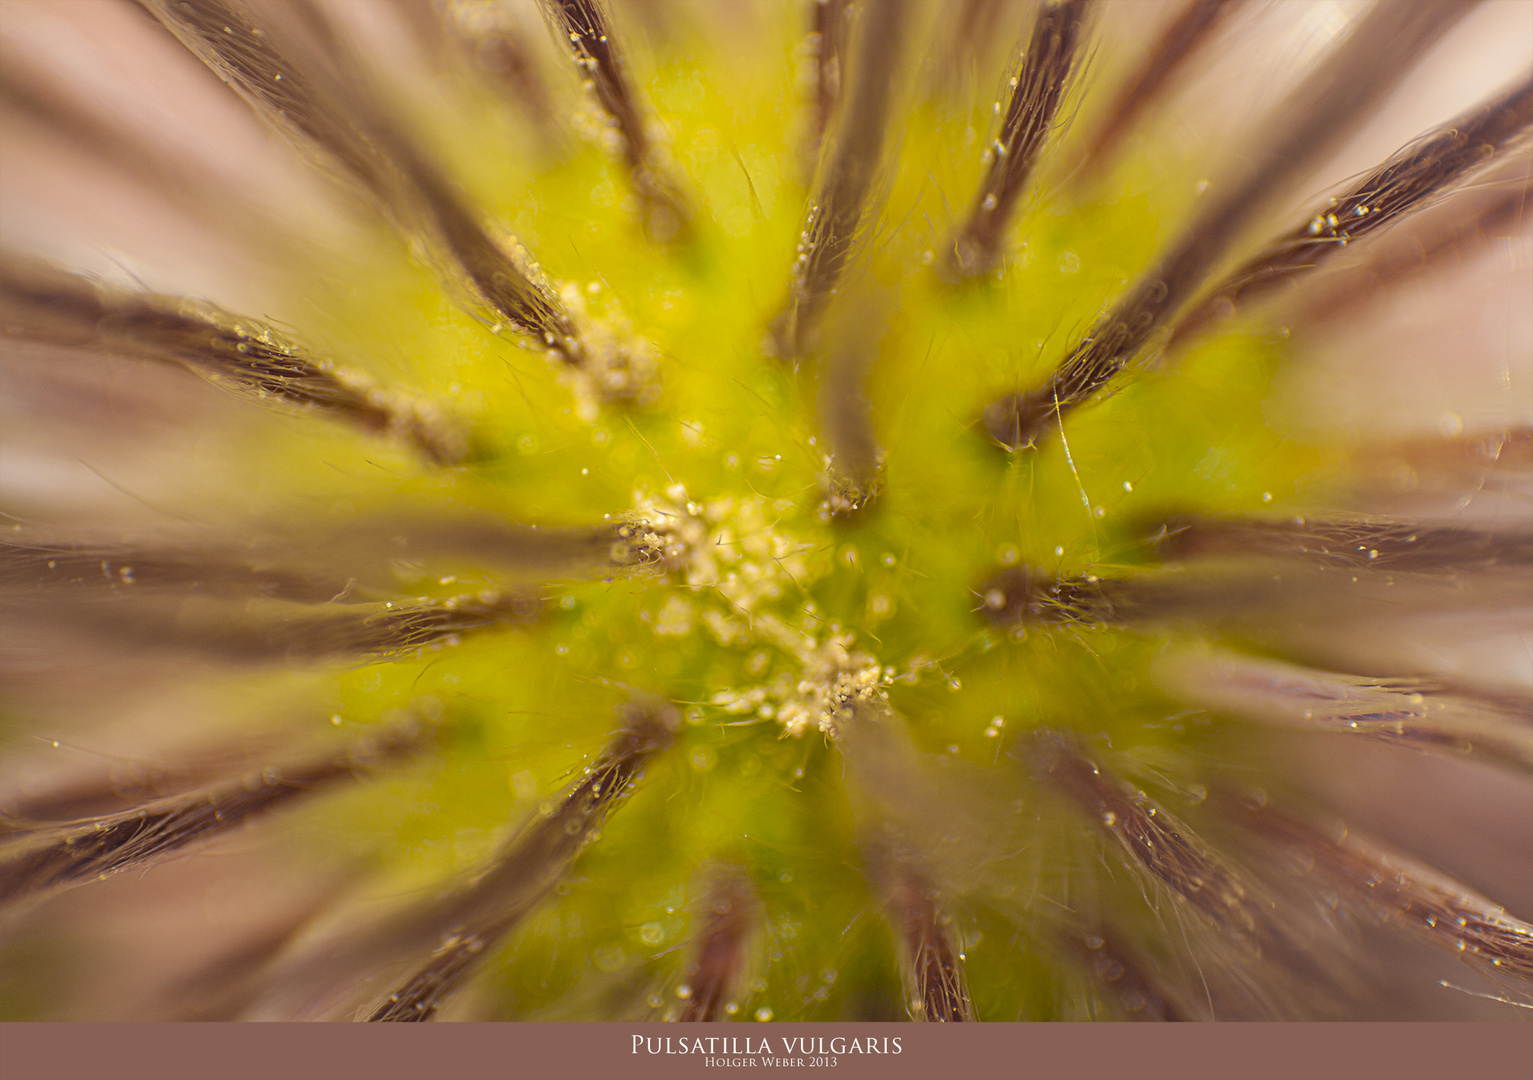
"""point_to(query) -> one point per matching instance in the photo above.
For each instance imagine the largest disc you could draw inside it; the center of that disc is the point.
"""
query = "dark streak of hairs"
(1398, 187)
(1397, 887)
(1110, 962)
(1457, 228)
(1177, 45)
(310, 594)
(221, 988)
(464, 924)
(1331, 102)
(263, 631)
(849, 164)
(1353, 544)
(1161, 846)
(933, 970)
(1038, 87)
(1019, 595)
(379, 547)
(1245, 597)
(853, 477)
(828, 25)
(320, 111)
(30, 564)
(875, 744)
(98, 848)
(243, 356)
(1420, 714)
(586, 29)
(728, 916)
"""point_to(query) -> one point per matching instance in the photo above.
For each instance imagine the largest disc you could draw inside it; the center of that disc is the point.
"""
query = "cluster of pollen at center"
(736, 562)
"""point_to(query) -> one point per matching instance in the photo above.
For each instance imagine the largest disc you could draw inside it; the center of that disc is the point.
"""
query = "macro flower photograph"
(766, 510)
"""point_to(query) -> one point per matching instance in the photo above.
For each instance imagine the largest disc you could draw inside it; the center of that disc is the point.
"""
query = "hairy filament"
(1383, 545)
(844, 184)
(1454, 229)
(1328, 105)
(828, 25)
(1037, 89)
(263, 632)
(499, 44)
(875, 743)
(587, 30)
(29, 564)
(728, 917)
(1401, 185)
(854, 468)
(972, 30)
(322, 112)
(244, 356)
(1469, 461)
(1138, 993)
(1400, 889)
(1162, 847)
(477, 915)
(51, 858)
(933, 971)
(1417, 714)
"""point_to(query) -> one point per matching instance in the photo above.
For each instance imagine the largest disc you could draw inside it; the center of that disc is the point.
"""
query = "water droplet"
(764, 1014)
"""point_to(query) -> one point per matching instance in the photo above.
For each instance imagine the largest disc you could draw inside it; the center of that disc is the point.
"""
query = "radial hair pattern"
(812, 510)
